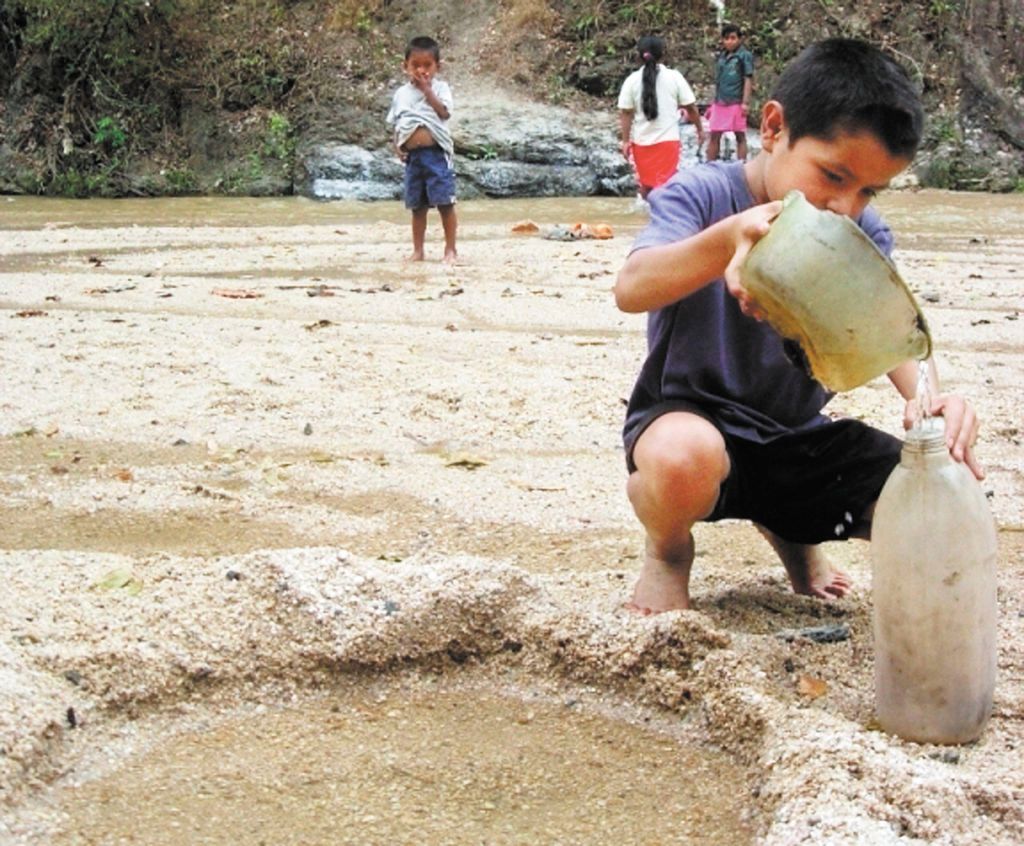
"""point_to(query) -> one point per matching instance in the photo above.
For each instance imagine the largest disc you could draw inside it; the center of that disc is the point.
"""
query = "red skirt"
(656, 164)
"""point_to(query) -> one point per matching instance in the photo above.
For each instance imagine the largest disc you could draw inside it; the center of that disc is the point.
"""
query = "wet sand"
(249, 459)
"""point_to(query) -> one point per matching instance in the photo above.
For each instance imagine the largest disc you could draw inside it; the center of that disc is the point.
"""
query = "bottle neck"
(925, 440)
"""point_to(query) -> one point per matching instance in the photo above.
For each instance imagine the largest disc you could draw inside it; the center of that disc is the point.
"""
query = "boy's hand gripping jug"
(933, 547)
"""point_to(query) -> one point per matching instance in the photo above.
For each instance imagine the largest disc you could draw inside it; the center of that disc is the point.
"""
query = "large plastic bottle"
(933, 547)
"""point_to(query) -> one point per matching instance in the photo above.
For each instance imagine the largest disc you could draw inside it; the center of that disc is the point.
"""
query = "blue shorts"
(807, 487)
(429, 179)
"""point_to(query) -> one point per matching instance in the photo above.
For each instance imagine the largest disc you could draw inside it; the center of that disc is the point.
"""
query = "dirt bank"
(247, 452)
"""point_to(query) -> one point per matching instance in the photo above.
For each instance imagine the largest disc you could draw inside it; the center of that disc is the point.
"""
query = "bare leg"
(419, 232)
(714, 140)
(810, 572)
(450, 224)
(681, 462)
(741, 146)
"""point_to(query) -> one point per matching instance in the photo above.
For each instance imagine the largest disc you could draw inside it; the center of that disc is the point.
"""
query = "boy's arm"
(625, 130)
(959, 415)
(392, 121)
(693, 115)
(748, 79)
(402, 154)
(432, 99)
(654, 277)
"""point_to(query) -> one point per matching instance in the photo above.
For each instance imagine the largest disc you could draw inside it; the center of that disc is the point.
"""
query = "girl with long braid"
(649, 105)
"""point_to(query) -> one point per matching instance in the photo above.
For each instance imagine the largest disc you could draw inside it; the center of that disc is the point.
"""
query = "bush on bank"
(129, 97)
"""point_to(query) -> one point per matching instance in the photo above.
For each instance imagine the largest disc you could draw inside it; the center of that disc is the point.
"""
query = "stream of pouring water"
(923, 420)
(923, 398)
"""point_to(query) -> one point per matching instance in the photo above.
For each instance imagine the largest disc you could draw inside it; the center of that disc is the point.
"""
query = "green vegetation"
(945, 7)
(115, 97)
(117, 76)
(942, 127)
(280, 142)
(486, 153)
(654, 15)
(109, 133)
(104, 64)
(767, 37)
(181, 182)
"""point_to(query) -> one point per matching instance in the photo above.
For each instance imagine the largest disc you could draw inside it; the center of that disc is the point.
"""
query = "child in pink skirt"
(734, 82)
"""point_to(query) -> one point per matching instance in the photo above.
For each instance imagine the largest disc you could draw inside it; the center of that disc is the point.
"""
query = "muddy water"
(30, 212)
(433, 767)
(932, 215)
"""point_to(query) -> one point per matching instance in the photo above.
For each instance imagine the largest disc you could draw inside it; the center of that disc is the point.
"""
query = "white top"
(410, 109)
(673, 91)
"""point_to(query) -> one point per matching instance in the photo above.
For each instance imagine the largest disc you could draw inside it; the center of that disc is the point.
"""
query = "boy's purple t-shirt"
(703, 349)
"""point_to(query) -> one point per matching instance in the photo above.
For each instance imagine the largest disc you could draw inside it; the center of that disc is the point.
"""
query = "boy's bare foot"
(817, 577)
(450, 257)
(416, 256)
(664, 585)
(810, 572)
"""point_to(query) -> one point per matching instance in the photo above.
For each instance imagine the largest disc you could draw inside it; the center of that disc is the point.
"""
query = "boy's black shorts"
(806, 487)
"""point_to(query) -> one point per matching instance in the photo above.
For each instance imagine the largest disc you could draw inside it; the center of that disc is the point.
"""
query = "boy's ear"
(773, 122)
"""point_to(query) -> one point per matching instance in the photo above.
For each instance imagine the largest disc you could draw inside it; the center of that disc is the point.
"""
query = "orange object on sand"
(601, 231)
(525, 227)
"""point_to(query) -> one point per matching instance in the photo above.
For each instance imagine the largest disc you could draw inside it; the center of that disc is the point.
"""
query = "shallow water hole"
(431, 761)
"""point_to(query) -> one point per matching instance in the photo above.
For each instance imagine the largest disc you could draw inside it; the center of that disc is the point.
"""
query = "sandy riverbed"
(247, 455)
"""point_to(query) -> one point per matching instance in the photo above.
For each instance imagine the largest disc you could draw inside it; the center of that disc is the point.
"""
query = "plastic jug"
(933, 549)
(822, 282)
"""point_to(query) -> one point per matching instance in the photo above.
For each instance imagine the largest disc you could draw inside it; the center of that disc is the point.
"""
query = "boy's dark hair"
(846, 85)
(731, 29)
(425, 44)
(651, 48)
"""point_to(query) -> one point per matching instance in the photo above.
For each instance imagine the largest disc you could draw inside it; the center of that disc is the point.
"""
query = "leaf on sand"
(525, 485)
(464, 460)
(237, 293)
(811, 687)
(120, 578)
(273, 474)
(320, 324)
(111, 289)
